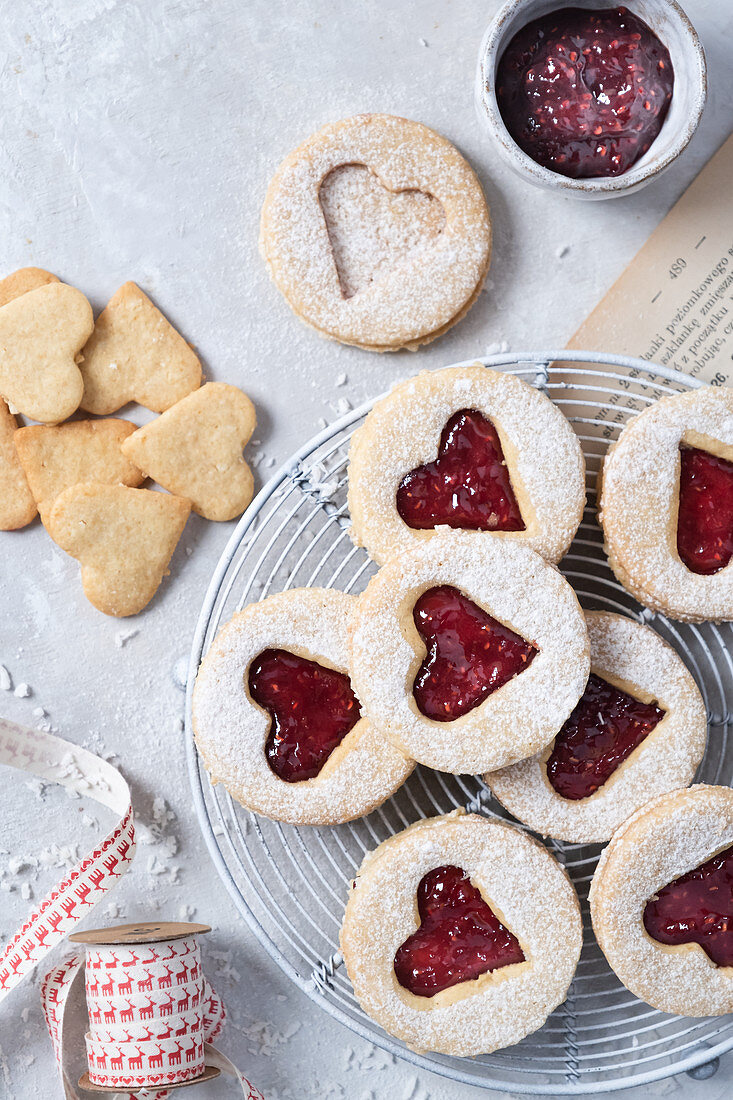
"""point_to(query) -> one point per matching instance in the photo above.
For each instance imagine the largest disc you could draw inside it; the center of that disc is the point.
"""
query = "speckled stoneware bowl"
(669, 22)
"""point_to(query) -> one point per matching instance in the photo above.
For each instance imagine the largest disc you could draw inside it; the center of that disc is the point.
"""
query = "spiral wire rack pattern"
(291, 884)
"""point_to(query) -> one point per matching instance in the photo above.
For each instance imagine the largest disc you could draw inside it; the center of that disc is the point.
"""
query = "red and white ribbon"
(59, 761)
(131, 995)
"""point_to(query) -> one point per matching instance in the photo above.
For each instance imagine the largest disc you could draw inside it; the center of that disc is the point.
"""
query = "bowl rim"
(497, 32)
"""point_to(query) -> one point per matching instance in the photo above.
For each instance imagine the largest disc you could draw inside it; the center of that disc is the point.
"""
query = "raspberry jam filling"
(603, 730)
(468, 485)
(705, 517)
(697, 908)
(585, 93)
(312, 708)
(459, 936)
(469, 654)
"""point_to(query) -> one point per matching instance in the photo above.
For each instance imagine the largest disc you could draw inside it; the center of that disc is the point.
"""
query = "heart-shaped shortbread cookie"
(23, 280)
(41, 333)
(135, 354)
(55, 458)
(195, 450)
(123, 539)
(17, 506)
(372, 229)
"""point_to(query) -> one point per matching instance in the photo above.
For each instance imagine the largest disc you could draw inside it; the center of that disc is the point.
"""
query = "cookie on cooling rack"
(638, 730)
(377, 232)
(461, 935)
(277, 721)
(465, 447)
(469, 652)
(666, 505)
(661, 902)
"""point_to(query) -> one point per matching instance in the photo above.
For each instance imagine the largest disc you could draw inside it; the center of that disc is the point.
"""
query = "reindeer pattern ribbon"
(148, 1001)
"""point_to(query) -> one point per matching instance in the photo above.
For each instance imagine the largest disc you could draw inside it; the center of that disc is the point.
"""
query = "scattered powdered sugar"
(515, 586)
(23, 691)
(528, 891)
(639, 501)
(637, 659)
(403, 431)
(122, 637)
(667, 837)
(6, 682)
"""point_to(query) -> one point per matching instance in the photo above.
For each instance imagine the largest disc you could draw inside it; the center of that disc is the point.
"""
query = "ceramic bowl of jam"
(592, 98)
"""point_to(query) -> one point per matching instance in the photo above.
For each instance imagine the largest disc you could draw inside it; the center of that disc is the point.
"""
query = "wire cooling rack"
(291, 884)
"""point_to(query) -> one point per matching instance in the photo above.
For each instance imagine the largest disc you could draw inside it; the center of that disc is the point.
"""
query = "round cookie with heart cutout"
(461, 935)
(276, 719)
(376, 231)
(469, 448)
(639, 730)
(661, 902)
(469, 652)
(666, 505)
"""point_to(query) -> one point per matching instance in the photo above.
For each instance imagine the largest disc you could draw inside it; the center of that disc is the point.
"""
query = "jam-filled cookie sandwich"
(662, 902)
(639, 730)
(461, 935)
(469, 448)
(276, 719)
(666, 505)
(377, 233)
(468, 652)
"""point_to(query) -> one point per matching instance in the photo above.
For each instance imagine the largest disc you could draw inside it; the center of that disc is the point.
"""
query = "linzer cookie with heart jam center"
(469, 448)
(662, 902)
(276, 718)
(461, 935)
(666, 505)
(468, 652)
(377, 232)
(639, 730)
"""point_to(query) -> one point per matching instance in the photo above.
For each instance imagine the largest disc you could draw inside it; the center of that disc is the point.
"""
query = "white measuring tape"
(131, 990)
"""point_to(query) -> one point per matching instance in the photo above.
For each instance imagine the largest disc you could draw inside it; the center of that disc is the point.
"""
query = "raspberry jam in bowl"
(591, 98)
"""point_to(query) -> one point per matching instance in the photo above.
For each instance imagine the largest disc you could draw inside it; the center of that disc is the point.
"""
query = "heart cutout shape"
(195, 450)
(311, 708)
(459, 938)
(123, 539)
(603, 730)
(468, 485)
(697, 908)
(41, 335)
(372, 229)
(469, 654)
(705, 514)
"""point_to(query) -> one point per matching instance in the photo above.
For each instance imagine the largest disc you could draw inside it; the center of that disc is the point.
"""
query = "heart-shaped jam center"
(371, 229)
(468, 485)
(469, 654)
(459, 937)
(705, 517)
(603, 730)
(312, 709)
(697, 908)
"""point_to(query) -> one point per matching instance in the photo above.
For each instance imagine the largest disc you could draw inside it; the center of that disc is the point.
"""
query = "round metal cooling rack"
(291, 884)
